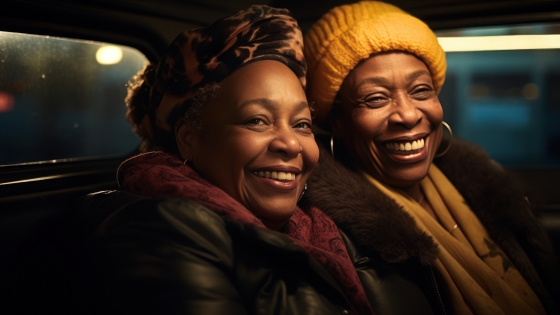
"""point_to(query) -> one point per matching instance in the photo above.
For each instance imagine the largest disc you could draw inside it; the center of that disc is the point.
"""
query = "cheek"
(310, 152)
(362, 128)
(434, 113)
(224, 156)
(435, 117)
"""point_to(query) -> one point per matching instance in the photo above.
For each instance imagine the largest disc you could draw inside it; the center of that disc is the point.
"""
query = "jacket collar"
(379, 226)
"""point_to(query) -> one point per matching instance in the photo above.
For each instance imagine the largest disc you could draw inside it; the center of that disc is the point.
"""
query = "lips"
(405, 147)
(278, 177)
(282, 176)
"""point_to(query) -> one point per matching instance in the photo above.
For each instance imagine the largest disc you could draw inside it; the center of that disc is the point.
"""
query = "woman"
(440, 232)
(227, 108)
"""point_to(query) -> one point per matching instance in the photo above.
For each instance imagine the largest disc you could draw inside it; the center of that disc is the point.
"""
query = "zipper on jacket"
(361, 261)
(437, 290)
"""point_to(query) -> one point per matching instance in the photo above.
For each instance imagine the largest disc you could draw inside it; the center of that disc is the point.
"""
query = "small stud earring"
(303, 191)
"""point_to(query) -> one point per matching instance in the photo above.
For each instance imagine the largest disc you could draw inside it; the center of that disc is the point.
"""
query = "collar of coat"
(380, 227)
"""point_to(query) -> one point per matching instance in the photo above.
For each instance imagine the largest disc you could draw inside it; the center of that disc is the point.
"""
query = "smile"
(276, 175)
(406, 147)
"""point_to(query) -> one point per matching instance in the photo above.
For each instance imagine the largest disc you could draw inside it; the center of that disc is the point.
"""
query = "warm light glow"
(109, 55)
(509, 42)
(6, 102)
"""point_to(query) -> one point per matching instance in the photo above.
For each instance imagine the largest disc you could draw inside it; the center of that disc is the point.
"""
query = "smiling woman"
(264, 129)
(436, 219)
(227, 109)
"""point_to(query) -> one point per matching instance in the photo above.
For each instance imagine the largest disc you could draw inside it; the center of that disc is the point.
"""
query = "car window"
(63, 98)
(502, 91)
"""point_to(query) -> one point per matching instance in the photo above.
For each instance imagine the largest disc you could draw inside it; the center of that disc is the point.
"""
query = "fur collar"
(380, 227)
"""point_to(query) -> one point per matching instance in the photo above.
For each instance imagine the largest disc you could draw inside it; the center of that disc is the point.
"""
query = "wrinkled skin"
(390, 98)
(259, 122)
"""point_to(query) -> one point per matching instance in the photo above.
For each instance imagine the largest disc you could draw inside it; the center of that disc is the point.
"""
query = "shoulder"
(115, 217)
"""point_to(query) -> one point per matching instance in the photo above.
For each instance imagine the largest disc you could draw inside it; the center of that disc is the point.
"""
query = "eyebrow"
(374, 80)
(384, 81)
(416, 74)
(271, 105)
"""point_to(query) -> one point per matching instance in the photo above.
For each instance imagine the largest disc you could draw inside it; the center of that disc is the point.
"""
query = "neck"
(414, 191)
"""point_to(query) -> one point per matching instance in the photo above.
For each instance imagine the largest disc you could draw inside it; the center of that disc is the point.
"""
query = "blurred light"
(508, 42)
(531, 91)
(109, 55)
(6, 102)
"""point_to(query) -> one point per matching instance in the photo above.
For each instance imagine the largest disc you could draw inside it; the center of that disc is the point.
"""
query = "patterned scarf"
(202, 56)
(163, 174)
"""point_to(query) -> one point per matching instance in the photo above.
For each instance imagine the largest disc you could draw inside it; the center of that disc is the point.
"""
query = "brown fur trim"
(376, 224)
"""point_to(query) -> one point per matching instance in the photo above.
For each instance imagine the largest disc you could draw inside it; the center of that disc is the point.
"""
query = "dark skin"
(259, 122)
(389, 100)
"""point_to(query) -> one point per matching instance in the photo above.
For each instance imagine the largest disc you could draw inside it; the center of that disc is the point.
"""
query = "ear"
(185, 135)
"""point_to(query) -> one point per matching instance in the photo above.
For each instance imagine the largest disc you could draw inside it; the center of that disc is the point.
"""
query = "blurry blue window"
(63, 98)
(502, 91)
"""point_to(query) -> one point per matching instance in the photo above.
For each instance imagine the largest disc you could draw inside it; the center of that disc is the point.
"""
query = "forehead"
(385, 64)
(265, 79)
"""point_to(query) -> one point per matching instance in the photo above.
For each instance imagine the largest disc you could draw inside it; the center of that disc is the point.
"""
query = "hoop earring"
(332, 146)
(187, 161)
(302, 192)
(450, 140)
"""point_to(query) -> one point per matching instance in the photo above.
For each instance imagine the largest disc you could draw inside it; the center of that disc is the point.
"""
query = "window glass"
(63, 98)
(502, 91)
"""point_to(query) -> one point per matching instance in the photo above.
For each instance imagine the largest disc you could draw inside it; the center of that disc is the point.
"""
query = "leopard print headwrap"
(203, 56)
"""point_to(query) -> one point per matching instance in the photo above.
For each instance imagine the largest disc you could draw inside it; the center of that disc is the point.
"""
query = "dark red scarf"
(162, 174)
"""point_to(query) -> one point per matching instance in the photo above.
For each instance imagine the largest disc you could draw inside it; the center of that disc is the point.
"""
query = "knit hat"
(351, 33)
(203, 56)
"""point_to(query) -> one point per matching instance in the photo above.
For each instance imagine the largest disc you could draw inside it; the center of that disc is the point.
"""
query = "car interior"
(64, 66)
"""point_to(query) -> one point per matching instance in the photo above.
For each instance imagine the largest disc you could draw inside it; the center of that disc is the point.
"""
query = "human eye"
(303, 126)
(423, 92)
(256, 123)
(375, 100)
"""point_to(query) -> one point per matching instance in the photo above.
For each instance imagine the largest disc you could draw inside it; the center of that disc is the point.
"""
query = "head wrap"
(351, 33)
(203, 56)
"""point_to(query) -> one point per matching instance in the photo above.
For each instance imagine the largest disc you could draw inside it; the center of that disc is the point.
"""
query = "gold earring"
(450, 140)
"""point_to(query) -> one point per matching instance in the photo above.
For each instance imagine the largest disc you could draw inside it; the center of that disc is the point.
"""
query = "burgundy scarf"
(163, 174)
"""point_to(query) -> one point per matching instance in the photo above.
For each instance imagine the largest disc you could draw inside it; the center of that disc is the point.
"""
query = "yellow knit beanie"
(350, 33)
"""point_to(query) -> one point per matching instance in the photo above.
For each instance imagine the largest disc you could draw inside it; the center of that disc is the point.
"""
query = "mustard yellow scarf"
(478, 276)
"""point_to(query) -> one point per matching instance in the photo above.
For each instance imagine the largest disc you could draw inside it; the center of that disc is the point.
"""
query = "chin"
(407, 179)
(275, 211)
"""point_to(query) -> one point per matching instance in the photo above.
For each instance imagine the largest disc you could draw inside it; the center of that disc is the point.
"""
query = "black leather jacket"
(397, 289)
(174, 256)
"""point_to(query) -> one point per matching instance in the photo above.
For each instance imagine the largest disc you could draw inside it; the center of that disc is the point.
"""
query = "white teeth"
(406, 146)
(277, 175)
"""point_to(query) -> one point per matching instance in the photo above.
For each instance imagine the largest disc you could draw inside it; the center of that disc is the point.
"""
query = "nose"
(285, 142)
(405, 113)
